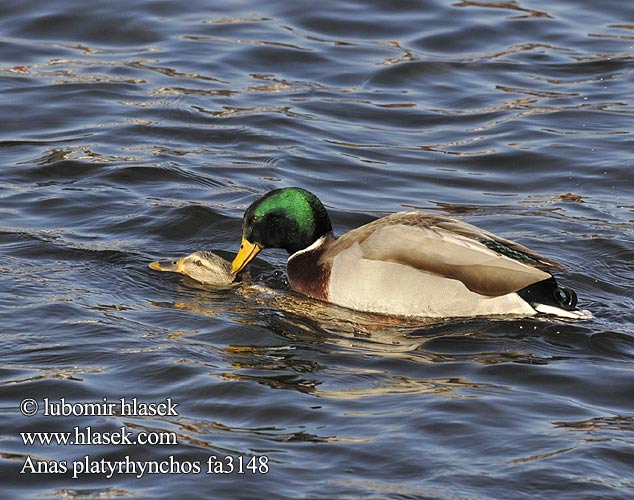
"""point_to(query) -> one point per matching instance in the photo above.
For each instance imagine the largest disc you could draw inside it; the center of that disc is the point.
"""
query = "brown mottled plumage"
(205, 267)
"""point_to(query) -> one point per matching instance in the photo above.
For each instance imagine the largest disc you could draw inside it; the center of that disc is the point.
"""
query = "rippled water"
(133, 131)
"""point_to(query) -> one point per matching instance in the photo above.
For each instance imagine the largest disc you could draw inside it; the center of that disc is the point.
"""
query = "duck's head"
(205, 267)
(289, 218)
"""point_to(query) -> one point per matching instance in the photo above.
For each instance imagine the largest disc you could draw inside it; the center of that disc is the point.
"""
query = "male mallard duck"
(205, 267)
(405, 264)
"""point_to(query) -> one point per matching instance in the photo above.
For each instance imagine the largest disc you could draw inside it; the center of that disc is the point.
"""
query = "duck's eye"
(198, 263)
(253, 219)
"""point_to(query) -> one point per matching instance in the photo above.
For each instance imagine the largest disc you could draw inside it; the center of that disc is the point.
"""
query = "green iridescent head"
(289, 218)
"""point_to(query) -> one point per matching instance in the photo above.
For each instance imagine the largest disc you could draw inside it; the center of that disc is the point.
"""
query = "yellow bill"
(246, 254)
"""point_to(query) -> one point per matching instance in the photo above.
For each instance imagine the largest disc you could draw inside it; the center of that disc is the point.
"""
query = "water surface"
(133, 132)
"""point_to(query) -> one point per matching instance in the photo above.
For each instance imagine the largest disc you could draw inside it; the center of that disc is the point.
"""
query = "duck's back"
(414, 264)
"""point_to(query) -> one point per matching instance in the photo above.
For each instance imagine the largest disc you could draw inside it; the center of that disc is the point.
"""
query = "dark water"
(132, 131)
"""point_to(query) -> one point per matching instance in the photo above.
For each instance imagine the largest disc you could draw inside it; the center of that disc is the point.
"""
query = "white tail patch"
(562, 313)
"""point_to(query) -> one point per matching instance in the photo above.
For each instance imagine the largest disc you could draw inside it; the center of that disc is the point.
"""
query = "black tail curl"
(548, 292)
(567, 298)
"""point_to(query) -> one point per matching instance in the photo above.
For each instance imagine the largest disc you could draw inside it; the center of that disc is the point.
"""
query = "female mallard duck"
(205, 267)
(405, 264)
